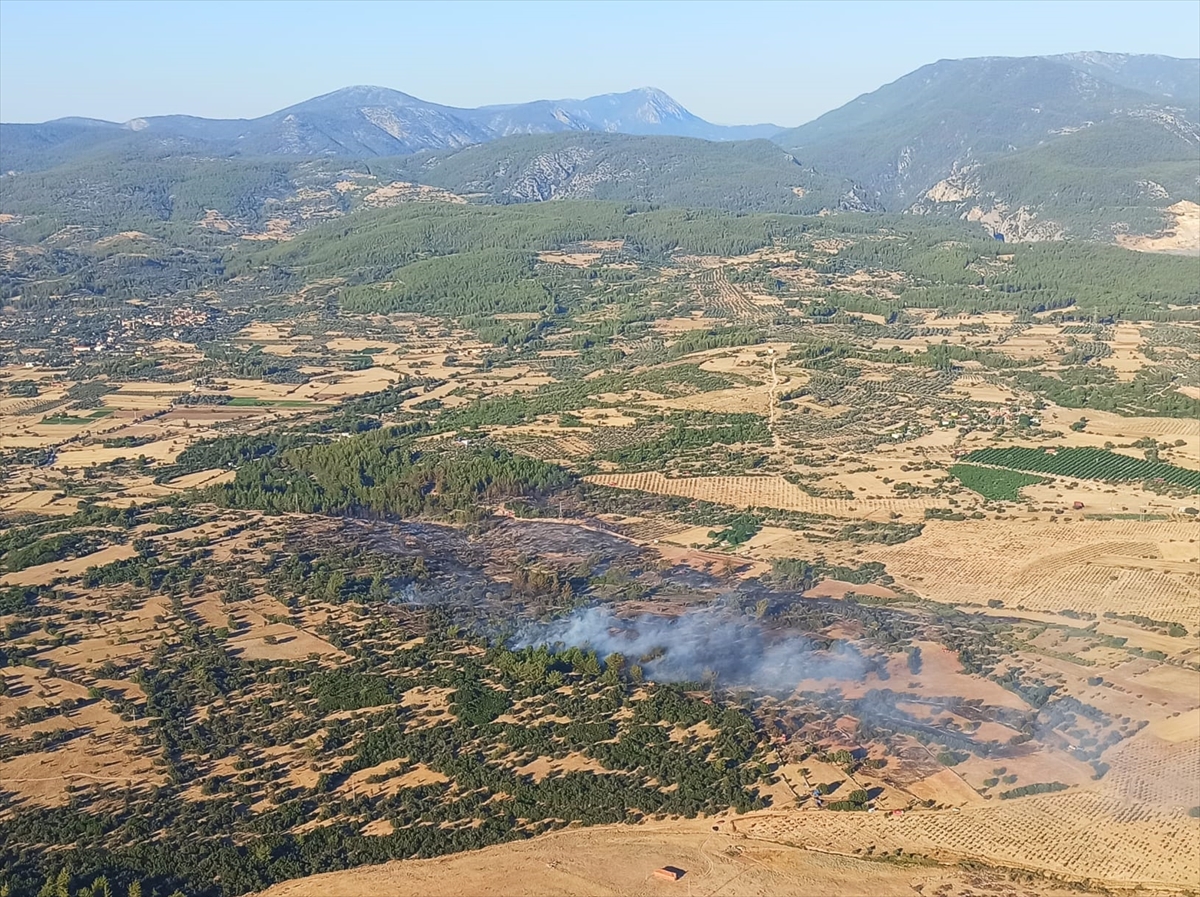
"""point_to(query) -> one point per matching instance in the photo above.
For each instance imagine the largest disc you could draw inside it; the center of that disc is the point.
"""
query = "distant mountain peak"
(659, 105)
(361, 94)
(364, 120)
(1101, 57)
(83, 122)
(1087, 144)
(654, 95)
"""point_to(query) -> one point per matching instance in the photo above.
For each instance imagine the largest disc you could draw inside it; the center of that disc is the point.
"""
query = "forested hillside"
(742, 176)
(1086, 146)
(121, 186)
(949, 267)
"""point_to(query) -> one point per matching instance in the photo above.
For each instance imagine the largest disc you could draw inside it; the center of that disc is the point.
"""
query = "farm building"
(669, 873)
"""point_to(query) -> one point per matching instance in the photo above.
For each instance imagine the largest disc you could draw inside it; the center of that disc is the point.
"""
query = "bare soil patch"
(1181, 235)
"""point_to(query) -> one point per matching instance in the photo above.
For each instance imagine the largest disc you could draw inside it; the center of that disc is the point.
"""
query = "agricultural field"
(1087, 464)
(997, 484)
(781, 549)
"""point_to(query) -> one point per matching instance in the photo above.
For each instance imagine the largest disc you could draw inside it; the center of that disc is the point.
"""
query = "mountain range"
(1083, 145)
(368, 121)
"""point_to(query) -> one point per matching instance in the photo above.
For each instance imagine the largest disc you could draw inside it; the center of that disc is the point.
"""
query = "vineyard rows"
(1096, 589)
(1097, 331)
(35, 406)
(1012, 330)
(1158, 427)
(992, 483)
(1036, 571)
(546, 447)
(1086, 464)
(1173, 335)
(1078, 833)
(1078, 587)
(1148, 770)
(23, 406)
(726, 300)
(764, 492)
(837, 389)
(877, 409)
(960, 574)
(1047, 566)
(608, 439)
(1092, 350)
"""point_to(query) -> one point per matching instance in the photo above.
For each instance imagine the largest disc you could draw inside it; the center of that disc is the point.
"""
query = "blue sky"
(731, 63)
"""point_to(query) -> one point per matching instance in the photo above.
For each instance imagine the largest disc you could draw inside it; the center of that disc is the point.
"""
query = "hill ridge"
(365, 120)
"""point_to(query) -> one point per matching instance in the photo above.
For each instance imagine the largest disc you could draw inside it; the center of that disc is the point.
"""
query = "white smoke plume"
(739, 651)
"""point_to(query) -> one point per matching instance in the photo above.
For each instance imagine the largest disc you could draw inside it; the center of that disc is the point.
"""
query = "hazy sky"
(732, 63)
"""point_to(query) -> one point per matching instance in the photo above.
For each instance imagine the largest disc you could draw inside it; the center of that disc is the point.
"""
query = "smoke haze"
(740, 651)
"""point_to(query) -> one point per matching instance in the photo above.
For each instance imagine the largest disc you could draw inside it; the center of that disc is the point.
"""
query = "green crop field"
(990, 482)
(73, 421)
(1086, 464)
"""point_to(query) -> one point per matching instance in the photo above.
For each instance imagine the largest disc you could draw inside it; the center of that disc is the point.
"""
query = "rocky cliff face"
(1113, 181)
(963, 195)
(565, 174)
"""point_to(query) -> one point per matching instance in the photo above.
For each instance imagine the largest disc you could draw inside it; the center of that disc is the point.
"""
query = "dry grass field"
(617, 860)
(764, 492)
(44, 573)
(107, 749)
(1073, 563)
(40, 501)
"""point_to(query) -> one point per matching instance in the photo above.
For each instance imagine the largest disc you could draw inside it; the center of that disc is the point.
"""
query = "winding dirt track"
(773, 407)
